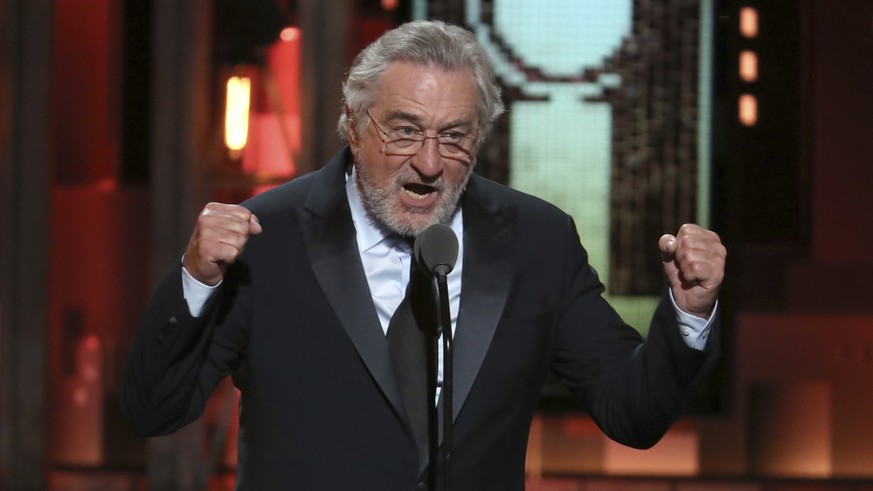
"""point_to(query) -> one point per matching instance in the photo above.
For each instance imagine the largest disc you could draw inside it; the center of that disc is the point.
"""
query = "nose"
(428, 161)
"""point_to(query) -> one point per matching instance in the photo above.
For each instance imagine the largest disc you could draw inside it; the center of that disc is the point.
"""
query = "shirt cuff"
(695, 330)
(196, 293)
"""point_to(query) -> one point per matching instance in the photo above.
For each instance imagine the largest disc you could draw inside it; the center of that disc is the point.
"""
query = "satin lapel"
(331, 245)
(489, 240)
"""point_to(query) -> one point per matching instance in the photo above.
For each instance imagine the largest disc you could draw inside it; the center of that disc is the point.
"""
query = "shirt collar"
(368, 233)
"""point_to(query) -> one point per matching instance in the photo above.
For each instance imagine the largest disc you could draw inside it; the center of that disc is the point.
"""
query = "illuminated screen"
(608, 107)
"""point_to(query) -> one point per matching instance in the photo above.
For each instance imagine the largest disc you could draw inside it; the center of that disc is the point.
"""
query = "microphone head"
(436, 249)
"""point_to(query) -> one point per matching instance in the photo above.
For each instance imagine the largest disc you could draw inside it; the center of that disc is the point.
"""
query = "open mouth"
(418, 191)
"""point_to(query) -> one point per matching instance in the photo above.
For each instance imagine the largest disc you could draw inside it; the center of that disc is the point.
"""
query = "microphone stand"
(437, 249)
(445, 326)
(432, 413)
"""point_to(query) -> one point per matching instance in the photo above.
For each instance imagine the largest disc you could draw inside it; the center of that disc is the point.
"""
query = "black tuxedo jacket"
(295, 326)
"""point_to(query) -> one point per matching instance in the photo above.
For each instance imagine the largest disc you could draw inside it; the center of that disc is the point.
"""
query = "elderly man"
(292, 294)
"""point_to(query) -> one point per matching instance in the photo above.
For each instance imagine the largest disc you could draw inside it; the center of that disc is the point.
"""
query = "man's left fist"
(694, 264)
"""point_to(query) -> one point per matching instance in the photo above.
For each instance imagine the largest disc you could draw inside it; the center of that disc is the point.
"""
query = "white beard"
(382, 205)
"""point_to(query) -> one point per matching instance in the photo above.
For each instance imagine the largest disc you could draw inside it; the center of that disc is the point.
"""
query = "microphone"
(436, 249)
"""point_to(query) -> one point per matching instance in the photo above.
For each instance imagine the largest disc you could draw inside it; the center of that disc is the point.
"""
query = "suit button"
(171, 323)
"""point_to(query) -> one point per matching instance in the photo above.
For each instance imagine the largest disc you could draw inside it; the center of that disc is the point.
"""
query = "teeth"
(414, 194)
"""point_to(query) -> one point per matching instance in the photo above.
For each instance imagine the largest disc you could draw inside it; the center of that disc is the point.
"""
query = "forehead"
(427, 91)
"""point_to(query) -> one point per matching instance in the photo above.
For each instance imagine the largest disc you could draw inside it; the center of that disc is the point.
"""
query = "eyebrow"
(397, 114)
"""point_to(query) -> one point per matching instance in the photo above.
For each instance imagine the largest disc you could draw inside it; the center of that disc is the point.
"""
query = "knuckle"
(685, 242)
(696, 267)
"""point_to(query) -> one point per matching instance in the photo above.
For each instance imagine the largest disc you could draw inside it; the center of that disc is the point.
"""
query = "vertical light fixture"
(748, 66)
(236, 118)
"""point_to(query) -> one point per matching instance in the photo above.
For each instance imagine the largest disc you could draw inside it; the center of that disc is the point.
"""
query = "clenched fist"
(219, 237)
(694, 263)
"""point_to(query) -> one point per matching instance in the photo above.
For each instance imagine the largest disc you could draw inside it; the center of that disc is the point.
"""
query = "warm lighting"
(389, 4)
(274, 124)
(748, 66)
(749, 22)
(236, 119)
(748, 112)
(290, 34)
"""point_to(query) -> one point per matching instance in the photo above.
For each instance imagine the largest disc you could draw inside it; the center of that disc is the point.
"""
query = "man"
(292, 295)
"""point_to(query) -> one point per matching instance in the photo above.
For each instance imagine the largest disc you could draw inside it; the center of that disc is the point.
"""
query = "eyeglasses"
(408, 140)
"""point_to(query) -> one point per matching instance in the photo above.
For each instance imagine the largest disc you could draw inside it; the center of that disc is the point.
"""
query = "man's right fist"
(219, 237)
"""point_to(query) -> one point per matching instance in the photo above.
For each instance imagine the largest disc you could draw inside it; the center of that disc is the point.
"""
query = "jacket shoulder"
(318, 189)
(494, 196)
(283, 197)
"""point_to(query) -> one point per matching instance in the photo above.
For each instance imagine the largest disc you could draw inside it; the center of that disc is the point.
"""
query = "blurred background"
(120, 119)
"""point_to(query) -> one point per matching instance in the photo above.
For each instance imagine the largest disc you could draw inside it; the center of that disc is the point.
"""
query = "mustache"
(409, 177)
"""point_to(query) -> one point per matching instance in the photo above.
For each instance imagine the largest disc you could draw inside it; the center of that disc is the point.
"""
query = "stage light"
(748, 110)
(236, 119)
(290, 34)
(749, 22)
(748, 66)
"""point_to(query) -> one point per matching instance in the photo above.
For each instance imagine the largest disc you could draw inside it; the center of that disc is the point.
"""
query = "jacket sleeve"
(633, 388)
(175, 361)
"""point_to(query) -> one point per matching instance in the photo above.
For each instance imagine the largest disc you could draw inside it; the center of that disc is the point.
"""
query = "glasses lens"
(453, 150)
(403, 144)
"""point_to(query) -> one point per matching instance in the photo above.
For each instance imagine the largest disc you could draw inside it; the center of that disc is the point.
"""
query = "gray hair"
(429, 43)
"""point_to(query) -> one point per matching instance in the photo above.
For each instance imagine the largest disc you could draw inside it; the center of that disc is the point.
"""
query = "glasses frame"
(467, 157)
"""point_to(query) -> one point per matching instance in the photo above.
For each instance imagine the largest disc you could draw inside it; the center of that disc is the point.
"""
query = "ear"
(351, 127)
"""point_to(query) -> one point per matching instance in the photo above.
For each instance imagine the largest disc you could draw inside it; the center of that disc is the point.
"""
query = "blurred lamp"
(236, 118)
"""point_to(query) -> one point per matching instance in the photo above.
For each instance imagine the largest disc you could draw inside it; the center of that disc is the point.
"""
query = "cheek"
(380, 171)
(457, 172)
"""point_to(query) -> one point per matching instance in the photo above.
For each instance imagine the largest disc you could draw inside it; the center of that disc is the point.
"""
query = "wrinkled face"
(408, 193)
